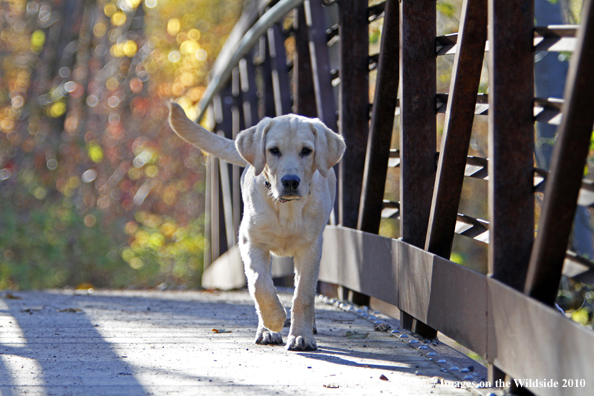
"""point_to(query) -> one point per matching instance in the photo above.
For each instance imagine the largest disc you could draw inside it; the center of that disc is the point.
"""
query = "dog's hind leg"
(271, 314)
(307, 265)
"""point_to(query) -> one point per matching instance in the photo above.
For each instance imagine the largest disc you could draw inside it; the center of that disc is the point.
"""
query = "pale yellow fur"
(271, 226)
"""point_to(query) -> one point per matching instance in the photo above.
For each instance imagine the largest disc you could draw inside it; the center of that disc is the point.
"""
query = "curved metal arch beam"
(249, 39)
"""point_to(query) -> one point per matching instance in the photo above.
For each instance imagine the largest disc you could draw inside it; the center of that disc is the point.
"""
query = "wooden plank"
(530, 340)
(457, 130)
(511, 139)
(320, 63)
(565, 180)
(353, 105)
(362, 262)
(444, 295)
(417, 113)
(382, 122)
(304, 83)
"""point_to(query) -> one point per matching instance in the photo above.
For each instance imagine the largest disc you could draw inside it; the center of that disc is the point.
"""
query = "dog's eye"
(274, 151)
(305, 151)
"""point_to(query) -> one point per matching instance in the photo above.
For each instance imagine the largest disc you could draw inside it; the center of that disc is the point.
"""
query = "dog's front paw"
(267, 337)
(301, 343)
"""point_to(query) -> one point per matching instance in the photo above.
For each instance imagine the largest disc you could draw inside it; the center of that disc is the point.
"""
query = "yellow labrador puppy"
(288, 190)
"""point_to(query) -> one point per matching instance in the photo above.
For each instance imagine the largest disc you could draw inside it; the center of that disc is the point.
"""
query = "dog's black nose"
(290, 182)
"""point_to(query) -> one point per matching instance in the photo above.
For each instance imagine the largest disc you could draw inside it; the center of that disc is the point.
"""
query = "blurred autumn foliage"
(95, 190)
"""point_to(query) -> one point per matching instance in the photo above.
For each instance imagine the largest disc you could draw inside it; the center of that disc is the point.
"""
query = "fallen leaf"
(384, 378)
(220, 331)
(10, 296)
(382, 327)
(32, 309)
(435, 380)
(70, 310)
(354, 334)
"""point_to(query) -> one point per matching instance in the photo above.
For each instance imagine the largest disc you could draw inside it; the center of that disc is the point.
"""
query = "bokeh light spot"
(119, 18)
(173, 27)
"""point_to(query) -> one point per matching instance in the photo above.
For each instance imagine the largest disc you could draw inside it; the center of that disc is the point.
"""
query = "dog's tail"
(198, 136)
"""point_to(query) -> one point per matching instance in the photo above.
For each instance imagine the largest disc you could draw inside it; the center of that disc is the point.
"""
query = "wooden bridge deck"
(162, 343)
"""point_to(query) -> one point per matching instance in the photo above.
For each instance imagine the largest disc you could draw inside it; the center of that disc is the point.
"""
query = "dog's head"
(289, 149)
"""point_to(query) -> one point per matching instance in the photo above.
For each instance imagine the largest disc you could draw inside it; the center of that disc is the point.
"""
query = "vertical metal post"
(249, 96)
(208, 208)
(382, 122)
(280, 78)
(353, 105)
(511, 139)
(215, 235)
(266, 70)
(241, 100)
(302, 72)
(511, 143)
(249, 92)
(567, 168)
(457, 130)
(418, 130)
(320, 63)
(223, 117)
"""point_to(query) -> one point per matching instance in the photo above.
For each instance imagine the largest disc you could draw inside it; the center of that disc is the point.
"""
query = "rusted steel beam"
(304, 84)
(266, 72)
(457, 130)
(511, 139)
(353, 106)
(546, 110)
(320, 63)
(382, 122)
(377, 11)
(280, 77)
(249, 91)
(245, 114)
(569, 156)
(418, 132)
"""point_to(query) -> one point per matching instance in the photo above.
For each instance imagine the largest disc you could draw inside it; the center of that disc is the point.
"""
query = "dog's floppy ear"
(251, 144)
(330, 146)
